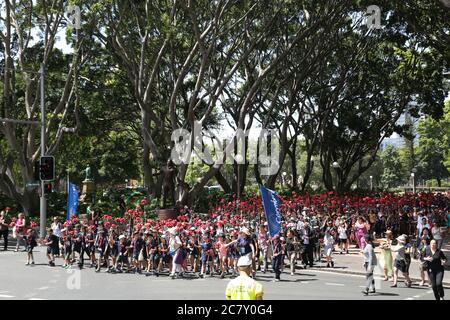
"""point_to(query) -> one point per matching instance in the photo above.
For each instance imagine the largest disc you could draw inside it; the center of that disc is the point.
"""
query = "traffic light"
(47, 168)
(47, 188)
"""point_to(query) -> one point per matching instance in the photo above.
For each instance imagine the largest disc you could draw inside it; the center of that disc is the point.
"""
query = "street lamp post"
(413, 176)
(336, 166)
(43, 199)
(371, 183)
(283, 175)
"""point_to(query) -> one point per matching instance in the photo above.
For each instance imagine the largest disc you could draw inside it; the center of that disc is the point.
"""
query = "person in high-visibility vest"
(244, 287)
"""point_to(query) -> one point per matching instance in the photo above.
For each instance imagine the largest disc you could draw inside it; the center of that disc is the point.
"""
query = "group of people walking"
(229, 244)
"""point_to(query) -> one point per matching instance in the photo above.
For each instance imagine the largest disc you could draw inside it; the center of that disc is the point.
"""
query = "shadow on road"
(334, 268)
(388, 294)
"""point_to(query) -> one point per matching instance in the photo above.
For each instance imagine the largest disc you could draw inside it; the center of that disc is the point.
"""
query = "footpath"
(352, 263)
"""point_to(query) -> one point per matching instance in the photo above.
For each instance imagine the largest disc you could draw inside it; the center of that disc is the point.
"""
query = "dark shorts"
(166, 257)
(53, 251)
(30, 249)
(401, 265)
(206, 259)
(114, 252)
(122, 259)
(88, 250)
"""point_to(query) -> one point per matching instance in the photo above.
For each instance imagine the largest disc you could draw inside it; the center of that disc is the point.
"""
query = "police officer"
(244, 287)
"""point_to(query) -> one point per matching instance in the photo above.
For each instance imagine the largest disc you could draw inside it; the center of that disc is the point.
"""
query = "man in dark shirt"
(52, 243)
(4, 229)
(277, 258)
(307, 236)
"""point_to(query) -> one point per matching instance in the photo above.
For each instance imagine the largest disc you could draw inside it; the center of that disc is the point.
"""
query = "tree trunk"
(148, 179)
(291, 154)
(223, 182)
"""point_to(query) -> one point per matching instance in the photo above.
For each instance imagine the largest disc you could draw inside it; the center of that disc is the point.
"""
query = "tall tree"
(28, 31)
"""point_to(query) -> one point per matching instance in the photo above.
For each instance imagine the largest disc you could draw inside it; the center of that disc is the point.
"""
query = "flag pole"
(68, 193)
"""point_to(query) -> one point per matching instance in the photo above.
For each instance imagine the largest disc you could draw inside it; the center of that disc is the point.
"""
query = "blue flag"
(271, 204)
(72, 201)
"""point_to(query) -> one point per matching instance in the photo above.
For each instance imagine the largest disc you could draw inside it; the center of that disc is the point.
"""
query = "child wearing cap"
(113, 245)
(207, 257)
(122, 254)
(100, 245)
(263, 244)
(164, 254)
(153, 253)
(194, 248)
(66, 243)
(30, 243)
(222, 249)
(90, 246)
(138, 246)
(77, 244)
(52, 243)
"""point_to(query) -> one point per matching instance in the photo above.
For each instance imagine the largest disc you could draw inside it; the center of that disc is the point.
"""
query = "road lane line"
(37, 299)
(417, 296)
(334, 284)
(409, 299)
(43, 288)
(6, 296)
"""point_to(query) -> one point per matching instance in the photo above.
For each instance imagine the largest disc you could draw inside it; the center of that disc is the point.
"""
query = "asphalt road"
(40, 281)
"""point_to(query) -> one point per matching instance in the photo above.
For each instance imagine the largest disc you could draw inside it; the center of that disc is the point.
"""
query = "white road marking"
(43, 288)
(6, 296)
(417, 296)
(37, 299)
(334, 284)
(409, 299)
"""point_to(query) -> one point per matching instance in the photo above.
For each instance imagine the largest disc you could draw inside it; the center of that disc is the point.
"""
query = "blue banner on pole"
(271, 204)
(73, 201)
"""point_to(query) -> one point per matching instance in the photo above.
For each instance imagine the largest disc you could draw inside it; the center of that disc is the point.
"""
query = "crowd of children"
(212, 244)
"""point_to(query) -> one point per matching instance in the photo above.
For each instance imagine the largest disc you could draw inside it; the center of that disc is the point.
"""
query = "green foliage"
(393, 169)
(433, 147)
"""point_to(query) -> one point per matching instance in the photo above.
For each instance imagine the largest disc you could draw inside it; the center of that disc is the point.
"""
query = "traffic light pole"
(43, 199)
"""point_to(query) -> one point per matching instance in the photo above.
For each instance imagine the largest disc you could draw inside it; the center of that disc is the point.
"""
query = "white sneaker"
(292, 273)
